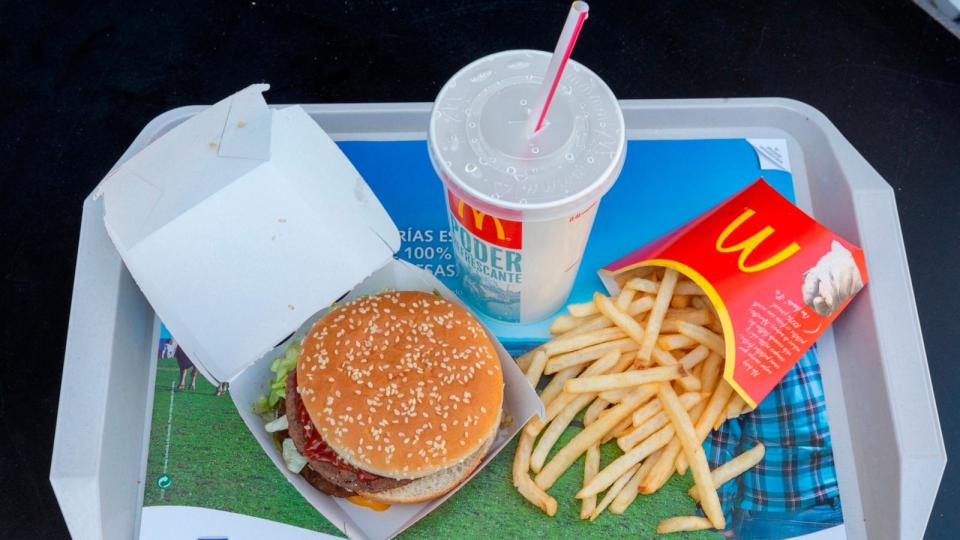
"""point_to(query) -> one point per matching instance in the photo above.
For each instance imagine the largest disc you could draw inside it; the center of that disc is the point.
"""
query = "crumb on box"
(213, 146)
(281, 220)
(241, 124)
(290, 307)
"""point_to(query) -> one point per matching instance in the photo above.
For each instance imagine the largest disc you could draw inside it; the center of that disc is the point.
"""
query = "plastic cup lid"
(480, 141)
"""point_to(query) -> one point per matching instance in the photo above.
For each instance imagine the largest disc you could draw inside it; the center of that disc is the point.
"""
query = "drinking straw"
(568, 37)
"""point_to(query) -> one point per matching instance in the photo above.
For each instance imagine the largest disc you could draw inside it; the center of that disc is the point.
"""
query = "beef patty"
(317, 480)
(345, 476)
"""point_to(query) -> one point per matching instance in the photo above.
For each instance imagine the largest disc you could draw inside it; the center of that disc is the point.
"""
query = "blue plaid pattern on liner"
(797, 472)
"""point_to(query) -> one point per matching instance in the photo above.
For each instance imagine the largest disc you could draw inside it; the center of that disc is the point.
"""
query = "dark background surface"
(82, 79)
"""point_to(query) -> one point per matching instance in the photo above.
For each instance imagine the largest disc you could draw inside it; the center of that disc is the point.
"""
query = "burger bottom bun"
(437, 484)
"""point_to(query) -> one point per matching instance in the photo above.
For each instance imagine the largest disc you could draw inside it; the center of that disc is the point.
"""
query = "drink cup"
(521, 204)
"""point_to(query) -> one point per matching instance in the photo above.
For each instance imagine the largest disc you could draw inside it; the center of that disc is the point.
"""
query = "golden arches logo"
(747, 246)
(478, 219)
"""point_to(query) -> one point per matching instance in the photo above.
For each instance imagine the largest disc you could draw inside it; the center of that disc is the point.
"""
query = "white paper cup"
(521, 206)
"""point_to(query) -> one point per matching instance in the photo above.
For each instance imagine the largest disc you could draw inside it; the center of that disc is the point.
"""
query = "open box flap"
(520, 403)
(241, 223)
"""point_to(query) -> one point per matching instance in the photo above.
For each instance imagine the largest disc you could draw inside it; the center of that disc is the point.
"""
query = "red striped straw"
(568, 38)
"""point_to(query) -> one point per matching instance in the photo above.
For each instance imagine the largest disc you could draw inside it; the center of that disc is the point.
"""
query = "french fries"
(591, 435)
(640, 305)
(715, 326)
(640, 271)
(688, 382)
(734, 468)
(636, 377)
(555, 429)
(629, 491)
(622, 360)
(709, 499)
(613, 491)
(671, 342)
(623, 321)
(572, 343)
(624, 299)
(594, 410)
(688, 288)
(714, 410)
(555, 386)
(611, 361)
(735, 407)
(712, 371)
(589, 324)
(683, 523)
(692, 316)
(642, 285)
(588, 354)
(521, 479)
(615, 396)
(524, 359)
(607, 476)
(616, 430)
(661, 470)
(643, 413)
(694, 357)
(682, 288)
(713, 341)
(564, 323)
(655, 319)
(654, 422)
(535, 370)
(591, 465)
(582, 310)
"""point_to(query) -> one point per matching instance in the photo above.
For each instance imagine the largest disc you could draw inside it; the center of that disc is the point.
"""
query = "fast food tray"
(886, 433)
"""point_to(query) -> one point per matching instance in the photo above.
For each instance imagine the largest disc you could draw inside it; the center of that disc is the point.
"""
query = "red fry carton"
(776, 278)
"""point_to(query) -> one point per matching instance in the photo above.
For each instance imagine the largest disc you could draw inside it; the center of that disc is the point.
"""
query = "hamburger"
(395, 397)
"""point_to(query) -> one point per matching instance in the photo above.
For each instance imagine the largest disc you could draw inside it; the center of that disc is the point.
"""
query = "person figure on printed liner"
(185, 365)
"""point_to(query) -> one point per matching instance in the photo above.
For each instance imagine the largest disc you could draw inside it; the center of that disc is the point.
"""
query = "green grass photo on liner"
(211, 460)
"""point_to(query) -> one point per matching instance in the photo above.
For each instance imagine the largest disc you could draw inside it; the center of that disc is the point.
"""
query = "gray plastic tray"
(886, 433)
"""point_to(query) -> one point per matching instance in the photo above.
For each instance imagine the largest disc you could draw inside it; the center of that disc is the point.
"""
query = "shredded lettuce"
(295, 462)
(281, 367)
(278, 424)
(260, 407)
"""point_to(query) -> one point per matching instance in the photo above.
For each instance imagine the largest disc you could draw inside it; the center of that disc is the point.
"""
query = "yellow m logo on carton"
(747, 246)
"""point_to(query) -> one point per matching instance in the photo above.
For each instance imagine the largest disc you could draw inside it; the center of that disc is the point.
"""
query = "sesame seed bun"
(401, 384)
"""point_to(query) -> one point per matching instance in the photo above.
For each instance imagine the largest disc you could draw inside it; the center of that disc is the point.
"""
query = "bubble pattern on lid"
(480, 139)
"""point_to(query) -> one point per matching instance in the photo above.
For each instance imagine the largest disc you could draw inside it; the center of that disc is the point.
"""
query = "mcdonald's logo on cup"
(498, 231)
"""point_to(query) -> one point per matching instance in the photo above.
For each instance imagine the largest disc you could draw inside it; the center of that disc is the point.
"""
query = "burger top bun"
(401, 384)
(434, 485)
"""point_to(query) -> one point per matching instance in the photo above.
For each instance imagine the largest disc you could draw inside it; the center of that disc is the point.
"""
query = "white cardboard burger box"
(268, 225)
